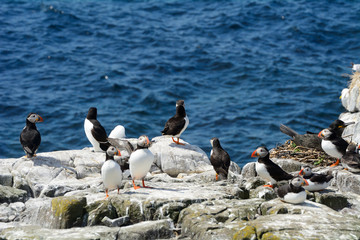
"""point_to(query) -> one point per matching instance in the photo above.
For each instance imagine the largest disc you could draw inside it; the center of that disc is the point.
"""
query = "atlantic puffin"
(219, 159)
(351, 159)
(110, 171)
(316, 181)
(122, 144)
(333, 145)
(176, 125)
(95, 132)
(293, 192)
(140, 160)
(267, 169)
(30, 137)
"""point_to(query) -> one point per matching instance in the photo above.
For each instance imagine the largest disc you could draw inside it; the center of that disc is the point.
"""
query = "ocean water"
(242, 67)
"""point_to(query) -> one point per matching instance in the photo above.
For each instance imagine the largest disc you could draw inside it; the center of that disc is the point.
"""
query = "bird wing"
(342, 144)
(319, 178)
(98, 132)
(278, 173)
(173, 126)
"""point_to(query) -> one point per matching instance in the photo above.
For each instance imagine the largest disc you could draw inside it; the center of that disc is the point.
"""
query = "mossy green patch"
(68, 211)
(246, 233)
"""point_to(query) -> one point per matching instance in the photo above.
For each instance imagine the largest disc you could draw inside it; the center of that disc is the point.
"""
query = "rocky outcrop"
(60, 196)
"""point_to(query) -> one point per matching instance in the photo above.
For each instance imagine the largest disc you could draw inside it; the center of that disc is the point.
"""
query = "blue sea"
(242, 67)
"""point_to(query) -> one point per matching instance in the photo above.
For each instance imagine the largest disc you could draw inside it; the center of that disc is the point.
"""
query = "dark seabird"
(140, 160)
(316, 181)
(333, 145)
(293, 192)
(110, 171)
(30, 138)
(351, 159)
(219, 159)
(176, 125)
(267, 169)
(95, 132)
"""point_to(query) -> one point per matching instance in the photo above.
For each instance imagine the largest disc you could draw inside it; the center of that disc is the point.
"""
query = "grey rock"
(9, 195)
(98, 210)
(288, 165)
(6, 178)
(160, 229)
(68, 211)
(117, 222)
(347, 182)
(265, 193)
(332, 200)
(249, 171)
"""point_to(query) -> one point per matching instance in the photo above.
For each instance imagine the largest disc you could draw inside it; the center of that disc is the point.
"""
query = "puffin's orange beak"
(320, 134)
(301, 172)
(306, 182)
(40, 119)
(118, 153)
(254, 154)
(147, 141)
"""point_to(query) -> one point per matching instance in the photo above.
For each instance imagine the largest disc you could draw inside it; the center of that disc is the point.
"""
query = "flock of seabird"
(141, 159)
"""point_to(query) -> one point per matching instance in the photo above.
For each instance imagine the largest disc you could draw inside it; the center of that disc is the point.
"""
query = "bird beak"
(306, 182)
(340, 97)
(39, 119)
(118, 153)
(320, 134)
(147, 141)
(301, 172)
(254, 154)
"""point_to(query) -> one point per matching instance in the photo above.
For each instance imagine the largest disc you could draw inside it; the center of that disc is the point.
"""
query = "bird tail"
(288, 131)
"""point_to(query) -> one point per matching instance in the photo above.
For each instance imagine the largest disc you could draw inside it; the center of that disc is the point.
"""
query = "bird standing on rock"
(176, 125)
(219, 158)
(316, 181)
(333, 145)
(110, 171)
(293, 192)
(267, 169)
(95, 132)
(351, 159)
(140, 160)
(30, 137)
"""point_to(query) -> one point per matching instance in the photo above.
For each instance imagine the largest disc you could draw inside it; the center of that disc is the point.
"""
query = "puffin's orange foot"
(271, 186)
(143, 183)
(217, 177)
(107, 194)
(346, 169)
(178, 141)
(135, 187)
(335, 164)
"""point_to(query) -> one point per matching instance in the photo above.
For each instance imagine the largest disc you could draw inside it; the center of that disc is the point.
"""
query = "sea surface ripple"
(242, 67)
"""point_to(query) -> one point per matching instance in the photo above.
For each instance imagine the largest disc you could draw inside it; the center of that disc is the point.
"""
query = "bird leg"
(107, 194)
(336, 163)
(178, 141)
(271, 186)
(118, 190)
(135, 187)
(217, 177)
(144, 184)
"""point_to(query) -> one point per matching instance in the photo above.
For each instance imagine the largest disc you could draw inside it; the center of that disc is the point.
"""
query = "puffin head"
(180, 103)
(299, 181)
(260, 152)
(305, 171)
(143, 141)
(324, 134)
(92, 113)
(34, 118)
(113, 151)
(215, 142)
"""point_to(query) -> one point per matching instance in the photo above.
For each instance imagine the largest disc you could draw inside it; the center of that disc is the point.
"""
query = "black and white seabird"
(123, 144)
(267, 169)
(140, 161)
(176, 125)
(95, 132)
(333, 145)
(338, 127)
(30, 137)
(118, 132)
(293, 192)
(316, 181)
(351, 159)
(219, 159)
(110, 171)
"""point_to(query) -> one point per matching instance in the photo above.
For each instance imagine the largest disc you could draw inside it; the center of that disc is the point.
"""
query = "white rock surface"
(175, 159)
